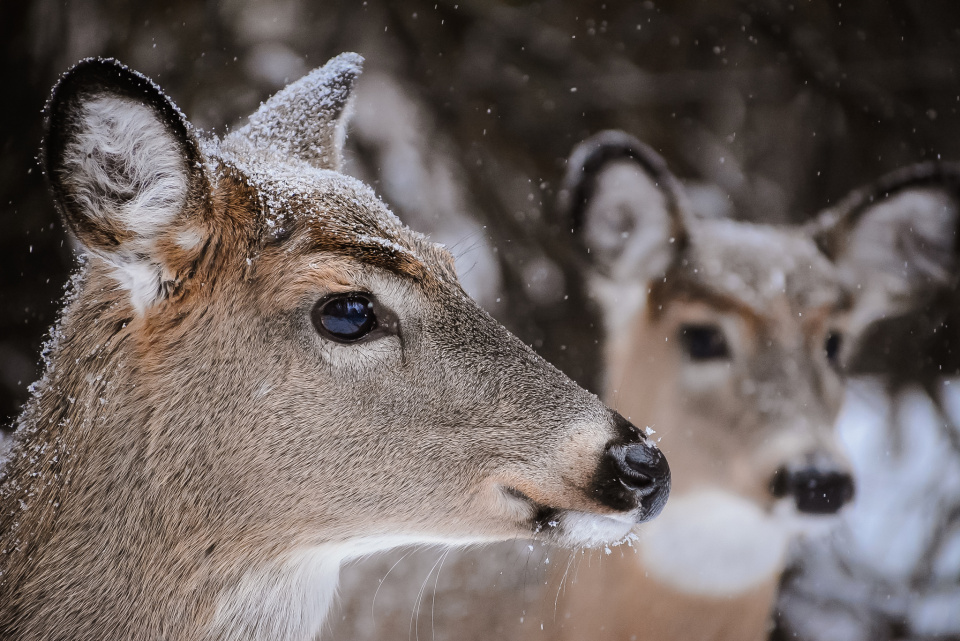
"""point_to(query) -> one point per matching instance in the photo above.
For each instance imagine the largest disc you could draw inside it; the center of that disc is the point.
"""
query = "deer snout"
(819, 487)
(643, 476)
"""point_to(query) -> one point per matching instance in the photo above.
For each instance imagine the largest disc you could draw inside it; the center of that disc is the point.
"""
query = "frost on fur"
(305, 121)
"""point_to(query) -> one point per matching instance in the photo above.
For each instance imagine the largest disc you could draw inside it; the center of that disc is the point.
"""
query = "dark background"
(784, 106)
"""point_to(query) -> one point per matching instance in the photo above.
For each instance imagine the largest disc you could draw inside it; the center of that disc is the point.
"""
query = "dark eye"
(345, 318)
(832, 347)
(704, 342)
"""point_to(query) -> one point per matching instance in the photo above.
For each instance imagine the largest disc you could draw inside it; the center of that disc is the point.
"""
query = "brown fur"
(728, 425)
(197, 459)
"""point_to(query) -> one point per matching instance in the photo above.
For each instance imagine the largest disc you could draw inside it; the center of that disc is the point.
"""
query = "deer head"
(259, 373)
(732, 340)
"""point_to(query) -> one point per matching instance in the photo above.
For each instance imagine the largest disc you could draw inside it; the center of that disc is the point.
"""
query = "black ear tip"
(93, 76)
(831, 227)
(90, 73)
(87, 77)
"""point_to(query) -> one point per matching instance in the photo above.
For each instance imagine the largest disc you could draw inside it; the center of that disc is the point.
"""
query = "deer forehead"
(769, 273)
(315, 213)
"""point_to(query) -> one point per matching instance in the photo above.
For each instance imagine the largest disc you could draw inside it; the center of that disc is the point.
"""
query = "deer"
(732, 341)
(258, 374)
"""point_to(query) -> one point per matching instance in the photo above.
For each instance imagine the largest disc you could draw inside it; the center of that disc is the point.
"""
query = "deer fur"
(732, 426)
(198, 459)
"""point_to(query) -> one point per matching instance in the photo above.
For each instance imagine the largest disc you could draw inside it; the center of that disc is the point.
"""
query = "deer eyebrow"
(392, 256)
(693, 290)
(376, 252)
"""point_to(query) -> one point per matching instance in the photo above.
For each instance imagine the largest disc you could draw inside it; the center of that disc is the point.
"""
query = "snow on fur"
(305, 121)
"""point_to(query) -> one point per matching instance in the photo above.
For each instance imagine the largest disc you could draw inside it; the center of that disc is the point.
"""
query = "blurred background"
(769, 111)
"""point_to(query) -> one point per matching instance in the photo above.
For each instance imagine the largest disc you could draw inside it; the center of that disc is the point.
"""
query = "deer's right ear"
(624, 206)
(123, 165)
(896, 241)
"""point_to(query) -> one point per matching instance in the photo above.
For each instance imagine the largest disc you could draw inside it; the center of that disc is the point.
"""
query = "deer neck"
(67, 498)
(88, 500)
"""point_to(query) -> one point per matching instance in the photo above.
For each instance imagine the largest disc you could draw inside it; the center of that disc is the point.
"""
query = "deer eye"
(345, 318)
(832, 346)
(704, 342)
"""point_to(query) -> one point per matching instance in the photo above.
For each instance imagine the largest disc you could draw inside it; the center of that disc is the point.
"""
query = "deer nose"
(815, 490)
(642, 471)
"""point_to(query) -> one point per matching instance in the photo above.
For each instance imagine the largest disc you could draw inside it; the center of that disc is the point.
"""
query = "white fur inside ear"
(627, 223)
(901, 250)
(124, 169)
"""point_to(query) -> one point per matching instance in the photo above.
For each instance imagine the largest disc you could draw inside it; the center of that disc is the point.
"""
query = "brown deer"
(730, 340)
(260, 373)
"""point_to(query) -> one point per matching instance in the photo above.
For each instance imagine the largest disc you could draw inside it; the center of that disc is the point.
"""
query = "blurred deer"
(260, 373)
(730, 340)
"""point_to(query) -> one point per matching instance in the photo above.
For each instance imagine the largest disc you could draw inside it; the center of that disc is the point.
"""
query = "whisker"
(383, 580)
(433, 605)
(415, 615)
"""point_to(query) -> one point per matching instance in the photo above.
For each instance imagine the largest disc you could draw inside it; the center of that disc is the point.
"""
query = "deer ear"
(123, 165)
(624, 205)
(305, 121)
(895, 242)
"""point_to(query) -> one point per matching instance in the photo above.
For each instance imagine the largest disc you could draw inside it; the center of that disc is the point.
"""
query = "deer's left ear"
(305, 121)
(895, 242)
(126, 172)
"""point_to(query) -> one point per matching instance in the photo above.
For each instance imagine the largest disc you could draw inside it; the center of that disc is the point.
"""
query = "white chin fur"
(582, 529)
(713, 543)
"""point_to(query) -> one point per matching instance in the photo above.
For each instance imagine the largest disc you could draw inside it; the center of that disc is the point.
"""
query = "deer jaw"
(261, 373)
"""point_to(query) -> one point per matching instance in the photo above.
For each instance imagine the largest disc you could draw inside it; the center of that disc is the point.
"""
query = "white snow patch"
(900, 485)
(583, 529)
(6, 445)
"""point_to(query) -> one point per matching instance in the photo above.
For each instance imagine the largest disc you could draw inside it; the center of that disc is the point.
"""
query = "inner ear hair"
(895, 244)
(832, 228)
(120, 157)
(125, 169)
(597, 152)
(624, 207)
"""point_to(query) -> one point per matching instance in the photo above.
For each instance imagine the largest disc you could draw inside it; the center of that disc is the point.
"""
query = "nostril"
(644, 468)
(633, 475)
(815, 491)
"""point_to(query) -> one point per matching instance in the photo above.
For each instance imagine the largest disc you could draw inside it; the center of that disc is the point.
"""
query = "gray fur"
(728, 424)
(198, 467)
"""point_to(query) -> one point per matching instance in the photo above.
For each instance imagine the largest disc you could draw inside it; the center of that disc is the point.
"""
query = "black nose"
(639, 476)
(816, 490)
